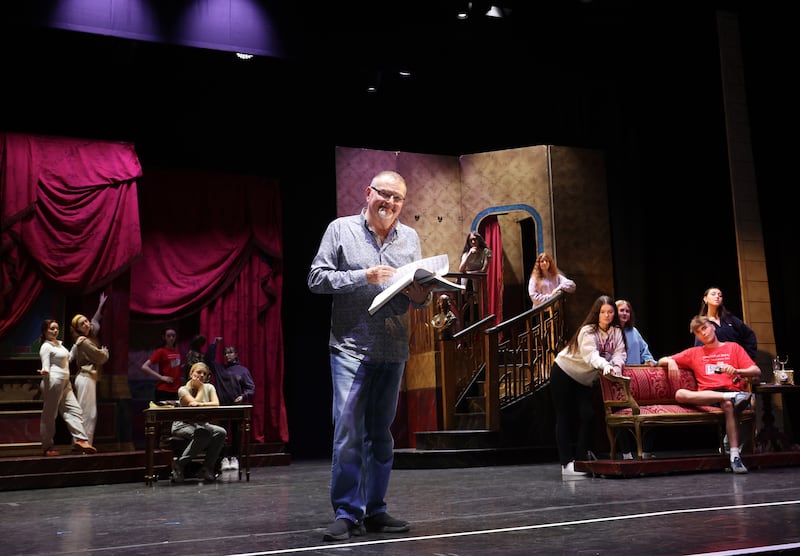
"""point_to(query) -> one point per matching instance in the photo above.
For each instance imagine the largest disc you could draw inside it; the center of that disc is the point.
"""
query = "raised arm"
(98, 315)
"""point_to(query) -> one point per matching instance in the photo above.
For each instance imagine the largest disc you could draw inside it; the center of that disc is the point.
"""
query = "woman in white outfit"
(57, 394)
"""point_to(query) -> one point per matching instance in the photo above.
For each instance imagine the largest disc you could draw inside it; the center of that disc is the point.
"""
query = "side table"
(770, 438)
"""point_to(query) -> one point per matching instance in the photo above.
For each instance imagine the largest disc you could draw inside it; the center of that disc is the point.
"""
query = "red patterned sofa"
(645, 397)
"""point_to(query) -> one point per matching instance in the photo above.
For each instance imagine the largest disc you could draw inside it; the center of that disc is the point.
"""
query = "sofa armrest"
(617, 393)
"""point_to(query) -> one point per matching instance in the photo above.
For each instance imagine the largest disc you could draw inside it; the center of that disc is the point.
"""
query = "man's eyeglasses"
(387, 195)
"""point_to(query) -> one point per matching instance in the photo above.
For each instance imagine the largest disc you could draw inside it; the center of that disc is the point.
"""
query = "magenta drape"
(207, 244)
(490, 230)
(212, 244)
(249, 317)
(70, 216)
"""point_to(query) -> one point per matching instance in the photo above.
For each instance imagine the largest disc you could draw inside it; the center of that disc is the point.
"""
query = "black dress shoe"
(342, 529)
(384, 523)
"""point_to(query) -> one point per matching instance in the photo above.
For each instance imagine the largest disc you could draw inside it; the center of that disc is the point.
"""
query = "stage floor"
(510, 510)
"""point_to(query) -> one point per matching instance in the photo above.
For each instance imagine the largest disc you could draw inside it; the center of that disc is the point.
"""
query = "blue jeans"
(364, 405)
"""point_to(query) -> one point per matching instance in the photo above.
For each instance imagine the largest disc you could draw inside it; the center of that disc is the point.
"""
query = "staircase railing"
(463, 359)
(513, 357)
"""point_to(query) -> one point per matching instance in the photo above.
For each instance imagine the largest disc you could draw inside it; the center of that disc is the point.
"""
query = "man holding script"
(357, 257)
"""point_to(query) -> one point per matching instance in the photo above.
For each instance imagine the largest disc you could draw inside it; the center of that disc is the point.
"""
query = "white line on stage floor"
(753, 550)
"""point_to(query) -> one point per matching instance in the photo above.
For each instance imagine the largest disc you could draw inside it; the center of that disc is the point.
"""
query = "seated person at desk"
(201, 435)
(717, 368)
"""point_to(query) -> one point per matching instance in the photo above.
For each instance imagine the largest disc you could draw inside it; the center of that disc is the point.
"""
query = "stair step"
(456, 440)
(476, 404)
(469, 421)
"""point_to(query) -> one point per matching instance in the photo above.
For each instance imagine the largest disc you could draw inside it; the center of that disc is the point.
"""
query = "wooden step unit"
(36, 471)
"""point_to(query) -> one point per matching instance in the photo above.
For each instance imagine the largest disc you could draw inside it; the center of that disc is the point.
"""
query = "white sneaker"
(226, 464)
(627, 455)
(234, 464)
(568, 471)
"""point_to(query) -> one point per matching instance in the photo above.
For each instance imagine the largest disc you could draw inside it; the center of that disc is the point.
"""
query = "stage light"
(495, 11)
(482, 8)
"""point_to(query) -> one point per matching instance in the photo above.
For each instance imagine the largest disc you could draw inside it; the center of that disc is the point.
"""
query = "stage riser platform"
(34, 472)
(666, 466)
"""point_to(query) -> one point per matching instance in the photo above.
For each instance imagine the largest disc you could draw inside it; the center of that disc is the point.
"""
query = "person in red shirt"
(165, 365)
(718, 368)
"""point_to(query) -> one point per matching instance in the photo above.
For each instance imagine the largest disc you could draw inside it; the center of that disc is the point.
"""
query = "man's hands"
(418, 294)
(415, 292)
(380, 274)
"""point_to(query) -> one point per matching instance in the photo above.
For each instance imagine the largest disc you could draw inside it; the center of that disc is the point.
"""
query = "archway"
(521, 238)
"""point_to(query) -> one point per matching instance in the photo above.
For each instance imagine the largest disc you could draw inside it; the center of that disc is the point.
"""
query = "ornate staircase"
(493, 381)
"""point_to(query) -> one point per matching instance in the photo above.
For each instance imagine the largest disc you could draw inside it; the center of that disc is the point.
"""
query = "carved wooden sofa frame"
(644, 397)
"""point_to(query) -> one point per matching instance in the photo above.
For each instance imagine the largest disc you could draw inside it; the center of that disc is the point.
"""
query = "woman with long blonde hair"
(546, 280)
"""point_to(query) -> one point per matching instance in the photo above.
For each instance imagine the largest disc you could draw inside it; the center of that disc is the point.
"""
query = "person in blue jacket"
(638, 354)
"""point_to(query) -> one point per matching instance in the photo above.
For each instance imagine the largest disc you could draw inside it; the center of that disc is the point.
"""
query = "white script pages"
(423, 271)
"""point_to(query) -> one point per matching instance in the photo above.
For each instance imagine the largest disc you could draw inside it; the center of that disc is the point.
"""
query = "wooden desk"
(154, 417)
(770, 438)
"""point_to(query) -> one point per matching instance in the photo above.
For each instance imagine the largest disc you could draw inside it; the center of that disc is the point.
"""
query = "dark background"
(642, 83)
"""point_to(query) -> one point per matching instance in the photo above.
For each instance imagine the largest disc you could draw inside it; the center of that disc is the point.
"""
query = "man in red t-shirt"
(717, 367)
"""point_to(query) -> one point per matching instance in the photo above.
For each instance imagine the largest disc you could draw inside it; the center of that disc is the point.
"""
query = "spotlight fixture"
(494, 11)
(482, 8)
(373, 84)
(463, 10)
(243, 55)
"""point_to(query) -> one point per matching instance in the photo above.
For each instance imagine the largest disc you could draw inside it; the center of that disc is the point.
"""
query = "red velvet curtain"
(212, 244)
(248, 316)
(489, 228)
(207, 244)
(70, 216)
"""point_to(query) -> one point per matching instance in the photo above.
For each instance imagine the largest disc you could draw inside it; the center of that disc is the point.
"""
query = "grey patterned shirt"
(348, 248)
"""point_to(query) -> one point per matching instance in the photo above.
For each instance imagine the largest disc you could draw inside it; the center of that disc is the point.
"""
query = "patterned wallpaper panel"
(564, 187)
